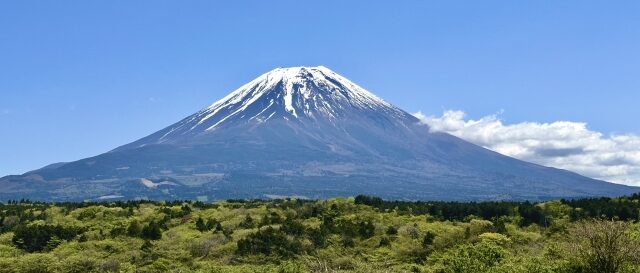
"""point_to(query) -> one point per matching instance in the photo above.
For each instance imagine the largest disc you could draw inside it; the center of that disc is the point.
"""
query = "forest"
(357, 234)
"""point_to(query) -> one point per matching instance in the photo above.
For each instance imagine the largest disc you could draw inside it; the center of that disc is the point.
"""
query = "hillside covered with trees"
(361, 234)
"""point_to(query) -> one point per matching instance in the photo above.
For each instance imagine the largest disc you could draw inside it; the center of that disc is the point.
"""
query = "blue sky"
(78, 78)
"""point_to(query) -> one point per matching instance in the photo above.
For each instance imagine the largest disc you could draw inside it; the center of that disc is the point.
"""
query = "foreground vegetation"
(362, 234)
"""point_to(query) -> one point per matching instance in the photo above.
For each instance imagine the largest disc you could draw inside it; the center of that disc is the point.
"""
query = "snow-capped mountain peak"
(301, 91)
(307, 100)
(308, 95)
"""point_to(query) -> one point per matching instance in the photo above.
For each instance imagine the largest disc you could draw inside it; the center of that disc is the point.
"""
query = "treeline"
(622, 208)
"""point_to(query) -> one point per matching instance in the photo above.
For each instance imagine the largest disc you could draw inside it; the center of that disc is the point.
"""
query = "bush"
(269, 241)
(496, 238)
(7, 265)
(469, 258)
(291, 267)
(110, 266)
(162, 265)
(36, 263)
(79, 264)
(292, 227)
(318, 237)
(347, 241)
(203, 247)
(384, 241)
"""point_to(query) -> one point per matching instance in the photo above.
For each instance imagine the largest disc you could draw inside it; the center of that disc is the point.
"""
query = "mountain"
(306, 132)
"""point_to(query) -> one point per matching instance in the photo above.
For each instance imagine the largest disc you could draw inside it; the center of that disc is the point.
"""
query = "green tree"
(292, 227)
(428, 239)
(211, 224)
(366, 229)
(384, 241)
(368, 200)
(151, 231)
(347, 241)
(134, 229)
(247, 222)
(34, 238)
(318, 237)
(392, 231)
(200, 225)
(603, 246)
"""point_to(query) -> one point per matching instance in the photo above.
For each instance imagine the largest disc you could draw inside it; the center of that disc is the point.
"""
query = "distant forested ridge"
(361, 234)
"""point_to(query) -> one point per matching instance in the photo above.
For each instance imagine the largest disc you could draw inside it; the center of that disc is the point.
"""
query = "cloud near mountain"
(561, 144)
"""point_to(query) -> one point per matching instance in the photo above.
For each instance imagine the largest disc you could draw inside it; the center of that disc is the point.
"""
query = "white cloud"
(561, 144)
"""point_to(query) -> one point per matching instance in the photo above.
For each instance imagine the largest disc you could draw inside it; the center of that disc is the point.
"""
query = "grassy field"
(362, 234)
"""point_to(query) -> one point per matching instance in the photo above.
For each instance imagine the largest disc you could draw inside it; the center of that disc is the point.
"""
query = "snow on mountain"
(294, 95)
(304, 91)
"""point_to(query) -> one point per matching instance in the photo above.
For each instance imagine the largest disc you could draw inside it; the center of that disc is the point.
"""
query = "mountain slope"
(301, 131)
